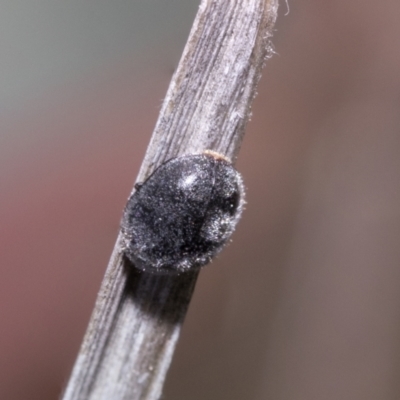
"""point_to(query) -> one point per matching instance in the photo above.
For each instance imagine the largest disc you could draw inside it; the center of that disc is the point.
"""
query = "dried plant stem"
(135, 325)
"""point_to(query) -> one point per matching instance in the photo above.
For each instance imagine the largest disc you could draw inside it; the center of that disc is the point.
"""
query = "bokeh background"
(305, 304)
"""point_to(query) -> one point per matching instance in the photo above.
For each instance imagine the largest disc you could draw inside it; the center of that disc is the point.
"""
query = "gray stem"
(135, 325)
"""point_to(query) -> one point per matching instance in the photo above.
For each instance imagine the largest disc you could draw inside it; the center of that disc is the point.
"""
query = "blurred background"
(305, 304)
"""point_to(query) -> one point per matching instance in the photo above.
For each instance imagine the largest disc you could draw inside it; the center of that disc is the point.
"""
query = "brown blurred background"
(305, 304)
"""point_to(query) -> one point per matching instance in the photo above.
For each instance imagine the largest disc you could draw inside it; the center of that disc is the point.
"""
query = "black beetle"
(183, 214)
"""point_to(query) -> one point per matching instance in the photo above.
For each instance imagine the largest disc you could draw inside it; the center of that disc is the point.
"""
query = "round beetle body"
(183, 214)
